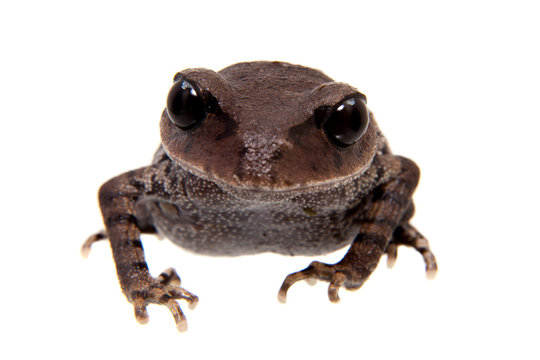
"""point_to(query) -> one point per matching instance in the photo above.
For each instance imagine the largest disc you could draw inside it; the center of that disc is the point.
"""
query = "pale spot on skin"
(259, 152)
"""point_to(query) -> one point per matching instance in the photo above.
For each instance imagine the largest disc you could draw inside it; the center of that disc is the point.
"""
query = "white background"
(454, 86)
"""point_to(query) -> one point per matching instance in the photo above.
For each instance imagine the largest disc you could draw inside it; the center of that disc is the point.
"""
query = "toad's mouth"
(261, 188)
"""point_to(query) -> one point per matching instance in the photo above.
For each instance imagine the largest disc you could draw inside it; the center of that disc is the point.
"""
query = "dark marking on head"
(301, 131)
(187, 146)
(338, 160)
(230, 127)
(320, 115)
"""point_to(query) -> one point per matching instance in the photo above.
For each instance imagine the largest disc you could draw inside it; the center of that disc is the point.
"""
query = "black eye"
(185, 105)
(348, 122)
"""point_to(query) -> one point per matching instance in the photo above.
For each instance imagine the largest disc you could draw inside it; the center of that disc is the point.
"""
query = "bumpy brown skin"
(259, 175)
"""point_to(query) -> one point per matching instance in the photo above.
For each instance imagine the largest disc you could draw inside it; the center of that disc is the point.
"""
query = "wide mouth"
(265, 191)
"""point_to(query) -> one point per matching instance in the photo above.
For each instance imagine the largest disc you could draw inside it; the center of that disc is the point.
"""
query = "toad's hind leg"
(406, 234)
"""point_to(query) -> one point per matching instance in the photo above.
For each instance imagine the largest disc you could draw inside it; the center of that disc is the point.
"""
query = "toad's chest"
(215, 220)
(237, 229)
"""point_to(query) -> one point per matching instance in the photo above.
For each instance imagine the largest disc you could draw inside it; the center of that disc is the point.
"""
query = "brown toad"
(262, 157)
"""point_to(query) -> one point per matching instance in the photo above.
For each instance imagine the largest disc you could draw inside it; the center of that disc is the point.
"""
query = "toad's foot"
(340, 274)
(162, 290)
(407, 235)
(87, 246)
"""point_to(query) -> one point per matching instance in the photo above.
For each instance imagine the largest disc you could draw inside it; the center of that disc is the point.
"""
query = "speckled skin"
(207, 219)
(257, 176)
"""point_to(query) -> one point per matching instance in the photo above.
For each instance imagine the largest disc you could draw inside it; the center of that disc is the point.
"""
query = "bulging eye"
(348, 122)
(185, 105)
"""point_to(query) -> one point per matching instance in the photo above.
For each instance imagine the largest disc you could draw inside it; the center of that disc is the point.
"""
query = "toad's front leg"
(117, 199)
(379, 215)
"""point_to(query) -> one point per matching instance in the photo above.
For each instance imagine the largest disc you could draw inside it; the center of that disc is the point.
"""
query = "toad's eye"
(185, 105)
(347, 123)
